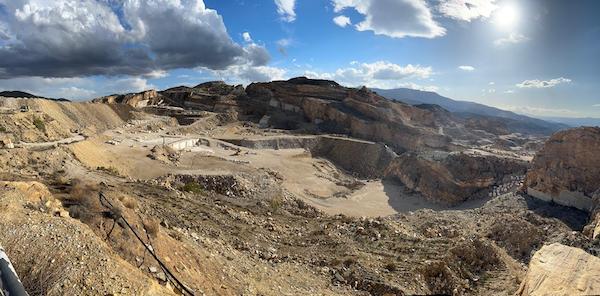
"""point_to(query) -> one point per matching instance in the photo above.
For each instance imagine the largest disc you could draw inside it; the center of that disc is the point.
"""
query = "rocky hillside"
(359, 113)
(567, 168)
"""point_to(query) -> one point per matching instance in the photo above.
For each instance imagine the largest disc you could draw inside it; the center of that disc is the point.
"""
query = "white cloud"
(510, 91)
(283, 44)
(378, 74)
(342, 21)
(75, 88)
(596, 105)
(394, 18)
(492, 83)
(467, 10)
(245, 74)
(466, 68)
(286, 9)
(535, 83)
(513, 38)
(76, 92)
(157, 74)
(247, 37)
(70, 38)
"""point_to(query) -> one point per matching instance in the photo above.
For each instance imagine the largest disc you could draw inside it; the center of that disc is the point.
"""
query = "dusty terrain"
(238, 195)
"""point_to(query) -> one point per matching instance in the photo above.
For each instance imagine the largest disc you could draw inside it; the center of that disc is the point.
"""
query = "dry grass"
(38, 277)
(152, 226)
(84, 199)
(129, 202)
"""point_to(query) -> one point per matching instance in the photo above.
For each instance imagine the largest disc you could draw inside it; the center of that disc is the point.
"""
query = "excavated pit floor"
(316, 180)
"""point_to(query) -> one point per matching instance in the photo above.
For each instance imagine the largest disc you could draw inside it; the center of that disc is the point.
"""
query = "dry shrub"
(84, 199)
(152, 226)
(38, 276)
(130, 202)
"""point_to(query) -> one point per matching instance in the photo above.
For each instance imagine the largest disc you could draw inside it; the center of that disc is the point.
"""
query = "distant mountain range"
(470, 109)
(583, 121)
(22, 94)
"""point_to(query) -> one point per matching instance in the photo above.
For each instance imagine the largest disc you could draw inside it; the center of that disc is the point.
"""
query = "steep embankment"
(39, 120)
(361, 158)
(58, 255)
(454, 178)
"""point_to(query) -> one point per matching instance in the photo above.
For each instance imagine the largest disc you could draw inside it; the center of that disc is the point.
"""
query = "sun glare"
(506, 17)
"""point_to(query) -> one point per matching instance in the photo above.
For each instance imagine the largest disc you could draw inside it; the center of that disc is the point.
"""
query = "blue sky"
(537, 57)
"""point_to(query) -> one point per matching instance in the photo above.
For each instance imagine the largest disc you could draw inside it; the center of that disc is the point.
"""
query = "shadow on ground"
(574, 218)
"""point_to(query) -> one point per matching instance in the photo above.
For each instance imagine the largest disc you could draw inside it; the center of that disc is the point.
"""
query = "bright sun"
(506, 17)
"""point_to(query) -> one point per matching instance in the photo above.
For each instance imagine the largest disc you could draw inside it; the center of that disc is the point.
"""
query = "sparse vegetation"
(192, 187)
(111, 170)
(2, 129)
(39, 124)
(82, 201)
(130, 202)
(275, 203)
(152, 226)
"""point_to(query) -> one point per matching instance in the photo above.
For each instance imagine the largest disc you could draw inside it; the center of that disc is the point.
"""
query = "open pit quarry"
(299, 187)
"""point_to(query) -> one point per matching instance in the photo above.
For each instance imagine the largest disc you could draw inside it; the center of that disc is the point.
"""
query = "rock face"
(567, 169)
(215, 96)
(356, 112)
(137, 100)
(210, 96)
(560, 270)
(454, 178)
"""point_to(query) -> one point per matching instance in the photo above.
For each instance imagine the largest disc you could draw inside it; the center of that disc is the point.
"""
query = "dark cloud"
(69, 38)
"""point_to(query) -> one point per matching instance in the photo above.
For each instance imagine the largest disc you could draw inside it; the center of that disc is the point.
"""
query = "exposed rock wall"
(137, 100)
(363, 158)
(567, 168)
(453, 179)
(560, 270)
(356, 112)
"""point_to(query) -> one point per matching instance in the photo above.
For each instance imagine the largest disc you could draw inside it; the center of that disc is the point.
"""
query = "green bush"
(192, 187)
(39, 124)
(2, 129)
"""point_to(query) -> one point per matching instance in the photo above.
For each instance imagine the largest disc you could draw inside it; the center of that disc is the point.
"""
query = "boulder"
(567, 168)
(561, 270)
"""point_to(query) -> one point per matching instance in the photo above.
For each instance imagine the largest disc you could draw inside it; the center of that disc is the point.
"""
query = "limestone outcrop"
(567, 168)
(452, 178)
(357, 112)
(561, 270)
(137, 100)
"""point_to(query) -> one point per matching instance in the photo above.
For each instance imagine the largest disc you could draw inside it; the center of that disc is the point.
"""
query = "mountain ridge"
(467, 109)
